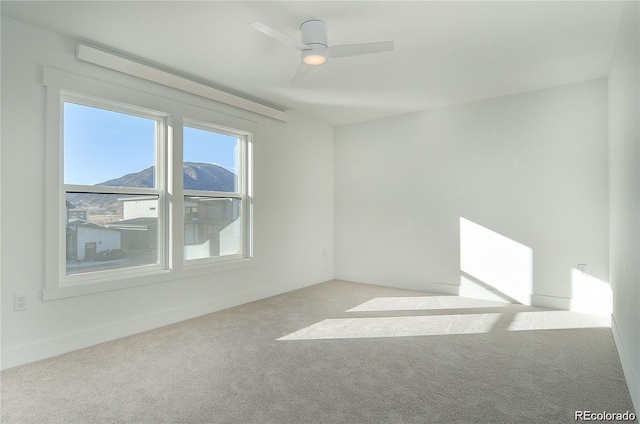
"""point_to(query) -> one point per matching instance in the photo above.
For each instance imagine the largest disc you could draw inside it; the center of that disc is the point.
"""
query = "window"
(141, 188)
(213, 192)
(112, 186)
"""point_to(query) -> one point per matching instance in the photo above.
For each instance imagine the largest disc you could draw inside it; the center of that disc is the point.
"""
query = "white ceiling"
(445, 52)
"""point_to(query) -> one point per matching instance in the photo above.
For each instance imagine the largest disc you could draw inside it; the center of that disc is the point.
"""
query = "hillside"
(197, 176)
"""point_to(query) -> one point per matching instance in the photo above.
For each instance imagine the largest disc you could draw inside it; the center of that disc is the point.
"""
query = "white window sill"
(153, 277)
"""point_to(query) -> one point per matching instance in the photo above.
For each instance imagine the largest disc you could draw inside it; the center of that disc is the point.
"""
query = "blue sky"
(101, 145)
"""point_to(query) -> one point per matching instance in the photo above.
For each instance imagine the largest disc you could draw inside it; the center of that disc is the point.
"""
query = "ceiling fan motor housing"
(314, 35)
(314, 32)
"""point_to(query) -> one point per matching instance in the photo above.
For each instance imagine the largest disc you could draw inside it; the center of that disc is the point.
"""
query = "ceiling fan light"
(315, 59)
(316, 54)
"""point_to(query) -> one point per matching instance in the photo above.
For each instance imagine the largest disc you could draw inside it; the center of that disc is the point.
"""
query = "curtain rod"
(126, 66)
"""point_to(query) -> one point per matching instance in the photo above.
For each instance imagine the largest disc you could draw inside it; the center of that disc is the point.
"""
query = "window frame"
(173, 109)
(162, 121)
(244, 143)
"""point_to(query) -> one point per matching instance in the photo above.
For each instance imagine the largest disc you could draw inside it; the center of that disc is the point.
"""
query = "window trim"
(175, 108)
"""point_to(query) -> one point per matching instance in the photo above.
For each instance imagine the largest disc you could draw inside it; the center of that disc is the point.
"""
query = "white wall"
(140, 209)
(529, 171)
(293, 201)
(624, 197)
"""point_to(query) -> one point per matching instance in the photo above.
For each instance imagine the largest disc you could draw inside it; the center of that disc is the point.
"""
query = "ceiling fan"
(315, 46)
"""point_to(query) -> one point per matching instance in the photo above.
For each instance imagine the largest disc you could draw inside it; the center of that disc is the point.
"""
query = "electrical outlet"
(583, 269)
(19, 302)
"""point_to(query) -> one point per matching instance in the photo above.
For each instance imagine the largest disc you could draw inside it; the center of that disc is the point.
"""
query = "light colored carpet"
(336, 352)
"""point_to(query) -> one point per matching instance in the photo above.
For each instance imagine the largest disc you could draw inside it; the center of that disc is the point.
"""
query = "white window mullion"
(162, 175)
(74, 188)
(247, 203)
(176, 195)
(198, 193)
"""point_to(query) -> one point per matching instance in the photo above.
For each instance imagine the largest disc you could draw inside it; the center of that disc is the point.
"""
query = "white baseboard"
(401, 283)
(542, 301)
(633, 381)
(552, 302)
(48, 348)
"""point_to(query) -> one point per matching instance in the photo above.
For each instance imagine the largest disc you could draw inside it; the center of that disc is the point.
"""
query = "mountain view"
(197, 176)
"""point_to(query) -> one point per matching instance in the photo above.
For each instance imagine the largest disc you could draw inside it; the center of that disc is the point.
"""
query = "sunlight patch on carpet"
(556, 320)
(358, 328)
(424, 303)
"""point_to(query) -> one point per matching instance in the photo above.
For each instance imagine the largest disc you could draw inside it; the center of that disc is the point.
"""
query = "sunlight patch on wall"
(358, 328)
(590, 295)
(497, 261)
(555, 320)
(424, 303)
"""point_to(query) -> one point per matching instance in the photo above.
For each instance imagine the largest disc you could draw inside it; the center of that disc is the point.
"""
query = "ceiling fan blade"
(302, 71)
(346, 50)
(277, 35)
